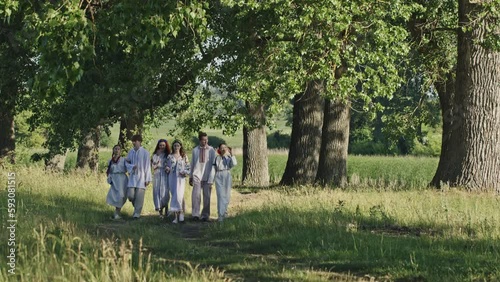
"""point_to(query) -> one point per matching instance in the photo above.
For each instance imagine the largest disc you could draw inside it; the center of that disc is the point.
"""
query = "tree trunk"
(255, 161)
(88, 151)
(446, 92)
(378, 135)
(334, 144)
(129, 126)
(305, 143)
(475, 129)
(7, 135)
(56, 162)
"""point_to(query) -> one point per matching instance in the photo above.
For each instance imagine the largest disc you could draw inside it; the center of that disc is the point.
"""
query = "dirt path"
(193, 231)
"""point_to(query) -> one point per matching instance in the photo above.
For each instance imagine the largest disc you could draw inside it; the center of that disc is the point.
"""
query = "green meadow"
(386, 225)
(168, 129)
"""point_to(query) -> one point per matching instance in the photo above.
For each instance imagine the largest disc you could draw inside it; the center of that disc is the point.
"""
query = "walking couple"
(206, 167)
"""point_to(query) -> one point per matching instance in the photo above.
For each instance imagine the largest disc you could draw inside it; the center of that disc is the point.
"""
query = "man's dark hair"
(137, 137)
(201, 134)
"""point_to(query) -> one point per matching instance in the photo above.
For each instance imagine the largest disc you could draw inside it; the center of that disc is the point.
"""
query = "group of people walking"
(168, 169)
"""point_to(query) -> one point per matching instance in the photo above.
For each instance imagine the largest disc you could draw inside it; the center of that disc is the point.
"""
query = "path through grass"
(64, 233)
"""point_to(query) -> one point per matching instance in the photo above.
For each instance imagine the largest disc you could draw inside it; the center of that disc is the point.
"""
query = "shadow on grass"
(341, 242)
(283, 243)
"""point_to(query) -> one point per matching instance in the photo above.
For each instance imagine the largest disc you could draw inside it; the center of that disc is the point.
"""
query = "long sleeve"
(156, 162)
(130, 163)
(233, 162)
(187, 166)
(193, 162)
(169, 163)
(224, 163)
(147, 166)
(108, 170)
(141, 160)
(210, 167)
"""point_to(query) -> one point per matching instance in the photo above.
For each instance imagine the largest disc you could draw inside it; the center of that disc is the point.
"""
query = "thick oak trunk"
(475, 129)
(446, 92)
(332, 168)
(56, 162)
(305, 143)
(129, 126)
(7, 136)
(88, 151)
(255, 160)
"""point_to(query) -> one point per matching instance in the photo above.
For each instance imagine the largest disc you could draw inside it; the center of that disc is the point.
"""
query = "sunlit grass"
(64, 233)
(378, 172)
(438, 236)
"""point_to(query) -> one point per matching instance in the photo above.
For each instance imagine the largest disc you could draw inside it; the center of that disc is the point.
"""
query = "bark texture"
(129, 126)
(446, 91)
(332, 169)
(474, 142)
(88, 151)
(56, 162)
(255, 157)
(305, 143)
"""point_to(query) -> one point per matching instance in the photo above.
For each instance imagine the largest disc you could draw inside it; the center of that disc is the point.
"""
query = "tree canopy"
(88, 64)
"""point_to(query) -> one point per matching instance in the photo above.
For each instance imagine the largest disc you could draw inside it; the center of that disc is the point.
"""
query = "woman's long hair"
(167, 147)
(181, 150)
(111, 161)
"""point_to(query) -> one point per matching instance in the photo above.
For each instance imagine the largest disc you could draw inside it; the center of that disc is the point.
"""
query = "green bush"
(24, 135)
(430, 147)
(278, 140)
(365, 147)
(105, 140)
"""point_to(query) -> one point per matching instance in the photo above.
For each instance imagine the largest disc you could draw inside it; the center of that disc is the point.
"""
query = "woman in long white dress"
(117, 178)
(223, 163)
(177, 168)
(161, 194)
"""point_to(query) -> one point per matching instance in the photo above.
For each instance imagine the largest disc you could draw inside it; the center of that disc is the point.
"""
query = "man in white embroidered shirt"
(138, 163)
(202, 177)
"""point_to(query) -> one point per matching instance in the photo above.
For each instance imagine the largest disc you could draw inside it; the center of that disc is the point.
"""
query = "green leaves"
(63, 39)
(491, 13)
(98, 63)
(7, 7)
(315, 38)
(271, 49)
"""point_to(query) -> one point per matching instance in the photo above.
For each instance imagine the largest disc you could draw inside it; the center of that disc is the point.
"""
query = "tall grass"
(380, 172)
(408, 235)
(391, 172)
(67, 257)
(64, 233)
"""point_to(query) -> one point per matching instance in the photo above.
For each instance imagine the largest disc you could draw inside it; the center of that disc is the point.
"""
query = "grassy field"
(386, 226)
(381, 172)
(167, 130)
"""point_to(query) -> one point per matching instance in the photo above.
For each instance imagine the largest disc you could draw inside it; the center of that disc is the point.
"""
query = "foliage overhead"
(98, 61)
(273, 48)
